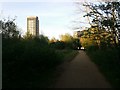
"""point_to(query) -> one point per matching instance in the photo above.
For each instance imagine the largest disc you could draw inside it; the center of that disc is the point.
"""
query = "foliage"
(67, 38)
(53, 40)
(105, 15)
(24, 59)
(9, 29)
(58, 45)
(102, 38)
(93, 37)
(109, 64)
(27, 61)
(70, 42)
(76, 43)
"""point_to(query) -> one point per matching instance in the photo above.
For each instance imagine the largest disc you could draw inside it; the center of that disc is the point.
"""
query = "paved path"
(81, 73)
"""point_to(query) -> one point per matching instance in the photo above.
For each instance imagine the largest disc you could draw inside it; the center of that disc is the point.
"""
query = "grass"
(108, 63)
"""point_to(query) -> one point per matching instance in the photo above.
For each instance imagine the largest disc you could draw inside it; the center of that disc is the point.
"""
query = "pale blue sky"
(55, 18)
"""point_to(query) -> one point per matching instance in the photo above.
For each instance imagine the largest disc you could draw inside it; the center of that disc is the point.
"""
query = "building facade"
(33, 25)
(77, 34)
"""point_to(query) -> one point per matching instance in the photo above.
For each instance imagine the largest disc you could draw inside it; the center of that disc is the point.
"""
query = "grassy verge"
(108, 63)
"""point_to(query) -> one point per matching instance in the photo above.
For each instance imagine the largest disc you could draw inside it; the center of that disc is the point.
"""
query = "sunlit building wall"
(76, 34)
(33, 25)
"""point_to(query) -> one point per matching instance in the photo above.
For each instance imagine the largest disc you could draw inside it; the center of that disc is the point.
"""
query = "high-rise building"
(33, 25)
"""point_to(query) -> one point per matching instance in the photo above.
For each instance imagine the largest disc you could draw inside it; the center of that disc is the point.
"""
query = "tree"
(66, 38)
(9, 28)
(28, 36)
(70, 42)
(52, 40)
(105, 15)
(76, 44)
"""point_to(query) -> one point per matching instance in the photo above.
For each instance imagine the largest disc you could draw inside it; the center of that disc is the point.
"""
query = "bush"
(108, 63)
(92, 48)
(58, 45)
(25, 60)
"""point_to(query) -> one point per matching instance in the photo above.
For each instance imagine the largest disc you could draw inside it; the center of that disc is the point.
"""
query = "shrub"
(24, 60)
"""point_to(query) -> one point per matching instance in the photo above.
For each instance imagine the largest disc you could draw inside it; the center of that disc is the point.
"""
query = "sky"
(55, 16)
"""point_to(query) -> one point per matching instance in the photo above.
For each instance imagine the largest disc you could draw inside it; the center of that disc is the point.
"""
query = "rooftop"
(31, 16)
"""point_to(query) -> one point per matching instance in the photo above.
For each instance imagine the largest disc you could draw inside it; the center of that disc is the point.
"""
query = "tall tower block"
(33, 25)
